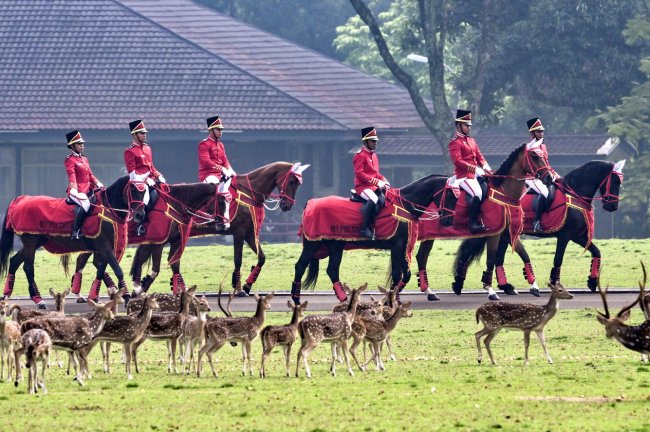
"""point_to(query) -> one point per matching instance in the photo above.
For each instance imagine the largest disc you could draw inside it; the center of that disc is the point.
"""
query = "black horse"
(414, 198)
(582, 183)
(120, 200)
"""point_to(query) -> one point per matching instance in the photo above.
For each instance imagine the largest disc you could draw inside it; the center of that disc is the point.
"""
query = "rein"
(164, 190)
(607, 197)
(273, 198)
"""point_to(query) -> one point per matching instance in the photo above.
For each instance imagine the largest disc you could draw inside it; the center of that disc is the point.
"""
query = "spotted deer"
(283, 335)
(167, 302)
(9, 340)
(36, 344)
(376, 331)
(335, 328)
(193, 333)
(218, 331)
(523, 316)
(167, 327)
(21, 315)
(635, 338)
(73, 334)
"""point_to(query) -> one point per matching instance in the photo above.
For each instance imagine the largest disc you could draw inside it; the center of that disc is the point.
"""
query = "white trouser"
(135, 177)
(369, 195)
(222, 188)
(538, 186)
(83, 202)
(471, 186)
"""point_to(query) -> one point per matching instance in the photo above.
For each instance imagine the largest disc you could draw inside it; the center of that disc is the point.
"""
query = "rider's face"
(463, 128)
(371, 144)
(217, 132)
(537, 134)
(78, 148)
(140, 137)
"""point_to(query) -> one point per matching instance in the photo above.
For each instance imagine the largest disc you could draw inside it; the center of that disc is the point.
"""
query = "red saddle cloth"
(554, 218)
(338, 218)
(54, 217)
(497, 212)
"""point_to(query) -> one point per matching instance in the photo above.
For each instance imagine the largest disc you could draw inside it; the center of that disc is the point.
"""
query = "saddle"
(381, 200)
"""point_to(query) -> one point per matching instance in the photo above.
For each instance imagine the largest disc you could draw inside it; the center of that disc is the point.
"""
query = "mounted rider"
(545, 193)
(369, 184)
(139, 164)
(214, 166)
(469, 167)
(81, 180)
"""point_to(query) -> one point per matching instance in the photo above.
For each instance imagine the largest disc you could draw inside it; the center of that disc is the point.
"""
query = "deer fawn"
(73, 333)
(36, 344)
(376, 331)
(523, 316)
(218, 331)
(193, 333)
(335, 327)
(128, 329)
(19, 315)
(9, 339)
(167, 327)
(283, 335)
(635, 338)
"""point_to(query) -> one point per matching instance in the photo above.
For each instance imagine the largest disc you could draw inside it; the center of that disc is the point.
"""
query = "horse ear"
(295, 167)
(302, 168)
(618, 166)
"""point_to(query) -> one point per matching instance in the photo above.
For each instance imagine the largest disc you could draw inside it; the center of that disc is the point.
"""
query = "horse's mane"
(585, 172)
(267, 166)
(185, 192)
(115, 190)
(506, 166)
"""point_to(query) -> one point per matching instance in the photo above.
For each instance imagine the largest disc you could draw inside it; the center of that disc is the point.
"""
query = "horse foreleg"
(492, 248)
(307, 255)
(594, 273)
(142, 254)
(100, 266)
(529, 274)
(560, 248)
(177, 283)
(335, 250)
(502, 279)
(238, 244)
(28, 268)
(117, 270)
(261, 259)
(14, 264)
(422, 257)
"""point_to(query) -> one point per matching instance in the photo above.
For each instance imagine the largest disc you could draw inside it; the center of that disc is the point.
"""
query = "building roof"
(491, 145)
(101, 63)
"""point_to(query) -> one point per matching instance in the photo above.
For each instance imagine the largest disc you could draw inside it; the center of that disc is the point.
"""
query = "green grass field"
(436, 384)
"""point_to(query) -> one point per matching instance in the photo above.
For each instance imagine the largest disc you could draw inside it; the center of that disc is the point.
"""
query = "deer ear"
(92, 304)
(303, 306)
(192, 289)
(363, 287)
(290, 304)
(270, 296)
(66, 292)
(601, 319)
(52, 293)
(257, 297)
(625, 315)
(382, 290)
(406, 305)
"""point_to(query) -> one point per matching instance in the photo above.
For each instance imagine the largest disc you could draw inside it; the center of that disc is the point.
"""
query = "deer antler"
(226, 313)
(603, 295)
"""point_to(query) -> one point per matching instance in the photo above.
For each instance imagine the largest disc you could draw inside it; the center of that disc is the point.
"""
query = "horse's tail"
(470, 250)
(6, 246)
(65, 263)
(312, 274)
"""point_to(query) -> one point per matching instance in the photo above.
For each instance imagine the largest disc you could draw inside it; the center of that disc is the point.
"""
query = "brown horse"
(510, 181)
(119, 200)
(183, 203)
(253, 189)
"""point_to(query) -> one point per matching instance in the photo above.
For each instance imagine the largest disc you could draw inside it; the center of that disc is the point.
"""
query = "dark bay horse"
(414, 198)
(509, 179)
(183, 202)
(119, 200)
(254, 189)
(582, 183)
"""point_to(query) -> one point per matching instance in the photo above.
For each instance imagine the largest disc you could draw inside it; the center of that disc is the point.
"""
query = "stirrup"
(537, 227)
(76, 234)
(477, 227)
(141, 230)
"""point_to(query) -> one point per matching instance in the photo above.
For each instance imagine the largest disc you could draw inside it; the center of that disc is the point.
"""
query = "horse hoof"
(535, 292)
(81, 300)
(242, 293)
(493, 297)
(432, 297)
(508, 289)
(592, 284)
(457, 288)
(41, 306)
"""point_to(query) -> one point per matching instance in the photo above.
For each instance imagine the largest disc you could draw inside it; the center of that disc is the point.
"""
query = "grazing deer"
(335, 327)
(635, 338)
(283, 335)
(19, 315)
(128, 330)
(193, 333)
(9, 339)
(166, 302)
(523, 316)
(218, 331)
(73, 334)
(167, 327)
(36, 344)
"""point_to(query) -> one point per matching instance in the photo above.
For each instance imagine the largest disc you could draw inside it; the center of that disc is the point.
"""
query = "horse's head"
(288, 184)
(135, 194)
(611, 186)
(536, 163)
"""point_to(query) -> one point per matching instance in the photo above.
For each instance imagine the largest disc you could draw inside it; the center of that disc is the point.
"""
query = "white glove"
(82, 196)
(161, 179)
(487, 167)
(99, 185)
(228, 172)
(479, 171)
(381, 184)
(150, 182)
(74, 192)
(387, 186)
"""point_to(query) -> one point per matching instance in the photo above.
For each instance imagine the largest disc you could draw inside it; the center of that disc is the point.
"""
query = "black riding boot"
(368, 210)
(475, 225)
(541, 207)
(153, 197)
(79, 216)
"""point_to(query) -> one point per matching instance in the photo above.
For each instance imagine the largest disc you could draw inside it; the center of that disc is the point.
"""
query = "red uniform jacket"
(465, 156)
(545, 156)
(138, 157)
(366, 170)
(80, 175)
(212, 158)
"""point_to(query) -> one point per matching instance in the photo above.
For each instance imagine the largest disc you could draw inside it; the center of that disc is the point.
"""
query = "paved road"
(470, 300)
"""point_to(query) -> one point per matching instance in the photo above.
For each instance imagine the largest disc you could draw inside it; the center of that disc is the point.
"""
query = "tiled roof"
(101, 63)
(560, 145)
